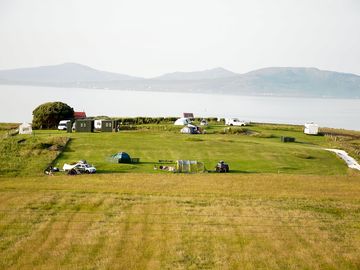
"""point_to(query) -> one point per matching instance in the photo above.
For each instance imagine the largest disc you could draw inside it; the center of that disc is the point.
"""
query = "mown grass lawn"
(207, 221)
(244, 153)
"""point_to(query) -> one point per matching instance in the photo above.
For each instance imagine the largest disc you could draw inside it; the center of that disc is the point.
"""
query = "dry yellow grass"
(147, 221)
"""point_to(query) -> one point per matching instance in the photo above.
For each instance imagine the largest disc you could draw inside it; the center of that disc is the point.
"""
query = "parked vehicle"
(81, 167)
(222, 167)
(234, 122)
(62, 124)
(97, 124)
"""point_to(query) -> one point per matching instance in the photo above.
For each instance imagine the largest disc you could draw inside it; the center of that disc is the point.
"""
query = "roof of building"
(79, 115)
(188, 115)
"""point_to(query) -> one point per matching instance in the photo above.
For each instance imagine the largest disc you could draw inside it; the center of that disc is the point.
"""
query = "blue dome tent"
(121, 157)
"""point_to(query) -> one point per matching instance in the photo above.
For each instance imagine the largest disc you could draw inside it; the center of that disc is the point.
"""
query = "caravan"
(311, 128)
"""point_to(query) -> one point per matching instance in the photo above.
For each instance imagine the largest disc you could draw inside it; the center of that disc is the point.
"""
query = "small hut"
(84, 125)
(25, 128)
(106, 125)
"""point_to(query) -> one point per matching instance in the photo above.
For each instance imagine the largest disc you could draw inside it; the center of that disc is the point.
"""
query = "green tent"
(121, 157)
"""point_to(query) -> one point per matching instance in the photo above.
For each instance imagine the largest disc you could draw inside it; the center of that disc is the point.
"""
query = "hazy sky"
(147, 38)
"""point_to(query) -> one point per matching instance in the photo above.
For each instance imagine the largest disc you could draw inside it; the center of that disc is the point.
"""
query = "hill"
(215, 73)
(272, 81)
(64, 73)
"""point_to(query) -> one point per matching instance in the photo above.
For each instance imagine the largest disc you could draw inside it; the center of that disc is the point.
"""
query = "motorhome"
(62, 124)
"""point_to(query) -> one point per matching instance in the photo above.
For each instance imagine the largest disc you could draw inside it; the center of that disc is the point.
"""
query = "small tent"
(190, 129)
(311, 129)
(121, 157)
(204, 122)
(182, 122)
(25, 128)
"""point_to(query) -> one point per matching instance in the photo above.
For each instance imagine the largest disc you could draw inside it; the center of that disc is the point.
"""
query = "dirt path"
(351, 162)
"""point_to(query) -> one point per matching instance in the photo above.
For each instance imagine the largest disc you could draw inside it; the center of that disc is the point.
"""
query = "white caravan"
(311, 128)
(62, 124)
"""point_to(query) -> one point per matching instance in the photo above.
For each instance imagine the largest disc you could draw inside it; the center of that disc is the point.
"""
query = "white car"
(63, 124)
(234, 122)
(80, 166)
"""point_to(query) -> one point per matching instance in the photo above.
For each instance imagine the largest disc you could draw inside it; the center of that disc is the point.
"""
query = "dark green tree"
(49, 114)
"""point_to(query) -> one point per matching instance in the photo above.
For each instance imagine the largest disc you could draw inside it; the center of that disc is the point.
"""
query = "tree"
(49, 114)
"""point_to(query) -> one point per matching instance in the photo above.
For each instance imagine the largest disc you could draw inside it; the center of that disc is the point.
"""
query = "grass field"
(260, 152)
(149, 221)
(284, 206)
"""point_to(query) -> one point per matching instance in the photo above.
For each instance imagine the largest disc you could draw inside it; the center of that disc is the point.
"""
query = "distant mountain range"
(272, 81)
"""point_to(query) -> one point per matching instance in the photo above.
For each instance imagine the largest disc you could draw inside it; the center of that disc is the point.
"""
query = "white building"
(311, 128)
(25, 128)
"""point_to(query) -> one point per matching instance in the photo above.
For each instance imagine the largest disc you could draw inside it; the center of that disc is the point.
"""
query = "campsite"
(269, 211)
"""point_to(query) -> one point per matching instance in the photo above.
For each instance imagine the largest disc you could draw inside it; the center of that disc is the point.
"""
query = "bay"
(17, 103)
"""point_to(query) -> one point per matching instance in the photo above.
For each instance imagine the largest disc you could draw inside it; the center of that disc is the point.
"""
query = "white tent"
(190, 129)
(311, 128)
(182, 122)
(25, 128)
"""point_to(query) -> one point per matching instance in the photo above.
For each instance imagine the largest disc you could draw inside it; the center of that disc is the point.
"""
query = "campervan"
(62, 124)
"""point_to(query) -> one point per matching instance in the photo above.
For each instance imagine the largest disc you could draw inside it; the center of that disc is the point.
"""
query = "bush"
(48, 115)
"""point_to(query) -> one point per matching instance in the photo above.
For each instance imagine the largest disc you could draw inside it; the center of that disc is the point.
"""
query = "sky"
(149, 38)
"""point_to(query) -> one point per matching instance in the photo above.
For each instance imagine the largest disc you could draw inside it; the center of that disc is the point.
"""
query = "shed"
(182, 122)
(84, 125)
(106, 125)
(311, 128)
(121, 157)
(25, 128)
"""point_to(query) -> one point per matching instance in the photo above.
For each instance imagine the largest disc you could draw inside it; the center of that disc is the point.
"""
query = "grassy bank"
(148, 221)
